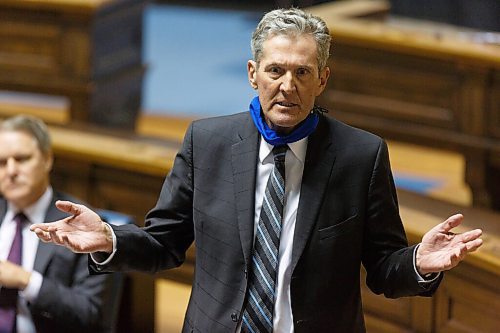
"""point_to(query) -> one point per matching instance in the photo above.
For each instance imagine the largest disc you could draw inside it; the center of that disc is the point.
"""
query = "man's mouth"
(286, 104)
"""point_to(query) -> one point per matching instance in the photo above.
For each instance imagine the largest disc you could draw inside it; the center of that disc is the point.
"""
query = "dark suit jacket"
(347, 215)
(69, 300)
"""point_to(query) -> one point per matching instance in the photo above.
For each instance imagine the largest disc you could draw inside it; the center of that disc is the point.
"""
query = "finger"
(43, 226)
(450, 223)
(53, 228)
(37, 227)
(43, 235)
(56, 236)
(457, 255)
(71, 245)
(66, 242)
(474, 245)
(471, 235)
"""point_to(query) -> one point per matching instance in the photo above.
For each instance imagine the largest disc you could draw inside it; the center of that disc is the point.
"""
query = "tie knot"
(279, 153)
(20, 219)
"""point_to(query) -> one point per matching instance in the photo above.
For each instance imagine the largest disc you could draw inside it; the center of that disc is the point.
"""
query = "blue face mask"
(303, 130)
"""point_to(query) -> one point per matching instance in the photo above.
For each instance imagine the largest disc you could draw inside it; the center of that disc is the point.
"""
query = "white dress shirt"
(36, 214)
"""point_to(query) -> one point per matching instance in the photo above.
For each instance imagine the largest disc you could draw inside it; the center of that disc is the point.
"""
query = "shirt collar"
(298, 149)
(37, 211)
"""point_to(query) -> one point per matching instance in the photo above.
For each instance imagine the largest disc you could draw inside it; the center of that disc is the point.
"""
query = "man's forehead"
(15, 132)
(17, 140)
(275, 60)
(279, 48)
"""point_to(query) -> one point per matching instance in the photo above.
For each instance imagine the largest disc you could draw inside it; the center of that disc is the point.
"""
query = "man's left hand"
(441, 249)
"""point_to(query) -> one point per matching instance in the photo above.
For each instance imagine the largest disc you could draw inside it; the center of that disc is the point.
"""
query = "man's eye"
(21, 159)
(302, 71)
(3, 162)
(275, 70)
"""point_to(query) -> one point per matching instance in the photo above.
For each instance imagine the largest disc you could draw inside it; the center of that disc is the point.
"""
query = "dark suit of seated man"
(44, 288)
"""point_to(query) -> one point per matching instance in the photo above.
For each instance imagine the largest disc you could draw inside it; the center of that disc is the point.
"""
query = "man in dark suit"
(45, 288)
(283, 203)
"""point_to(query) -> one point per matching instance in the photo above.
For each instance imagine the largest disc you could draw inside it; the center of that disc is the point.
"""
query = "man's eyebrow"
(276, 64)
(273, 64)
(16, 156)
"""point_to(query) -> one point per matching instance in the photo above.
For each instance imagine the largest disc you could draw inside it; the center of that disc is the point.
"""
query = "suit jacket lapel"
(317, 171)
(3, 209)
(43, 255)
(244, 163)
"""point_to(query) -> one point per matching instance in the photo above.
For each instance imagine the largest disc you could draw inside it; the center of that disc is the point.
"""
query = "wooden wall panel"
(417, 83)
(468, 301)
(399, 87)
(79, 50)
(395, 314)
(493, 105)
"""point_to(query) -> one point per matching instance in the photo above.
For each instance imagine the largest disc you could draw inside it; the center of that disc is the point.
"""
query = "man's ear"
(323, 79)
(252, 73)
(49, 161)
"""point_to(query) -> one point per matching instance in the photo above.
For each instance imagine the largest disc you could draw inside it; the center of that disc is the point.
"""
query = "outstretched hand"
(441, 249)
(82, 232)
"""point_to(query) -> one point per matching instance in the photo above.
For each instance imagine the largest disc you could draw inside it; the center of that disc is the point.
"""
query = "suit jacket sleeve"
(387, 259)
(168, 231)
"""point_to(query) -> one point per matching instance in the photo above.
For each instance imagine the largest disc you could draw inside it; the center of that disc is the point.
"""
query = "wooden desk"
(88, 51)
(423, 83)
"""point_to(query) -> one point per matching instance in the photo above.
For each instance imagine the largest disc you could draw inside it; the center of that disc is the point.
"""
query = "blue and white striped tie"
(258, 314)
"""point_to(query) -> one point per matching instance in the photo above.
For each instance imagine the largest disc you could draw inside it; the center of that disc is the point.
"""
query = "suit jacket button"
(234, 317)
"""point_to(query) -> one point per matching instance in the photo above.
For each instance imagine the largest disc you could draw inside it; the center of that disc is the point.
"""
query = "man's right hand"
(13, 276)
(82, 232)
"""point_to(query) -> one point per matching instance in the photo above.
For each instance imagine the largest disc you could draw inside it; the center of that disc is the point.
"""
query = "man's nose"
(11, 165)
(288, 84)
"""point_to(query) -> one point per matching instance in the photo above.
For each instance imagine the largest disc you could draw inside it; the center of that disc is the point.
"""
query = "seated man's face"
(24, 170)
(287, 79)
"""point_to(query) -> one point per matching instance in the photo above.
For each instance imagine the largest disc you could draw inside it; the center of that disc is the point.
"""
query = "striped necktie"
(258, 314)
(8, 297)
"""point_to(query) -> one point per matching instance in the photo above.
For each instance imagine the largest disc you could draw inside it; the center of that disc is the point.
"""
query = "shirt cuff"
(101, 258)
(428, 278)
(30, 293)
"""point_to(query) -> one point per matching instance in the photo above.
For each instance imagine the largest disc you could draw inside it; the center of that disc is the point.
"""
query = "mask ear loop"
(318, 109)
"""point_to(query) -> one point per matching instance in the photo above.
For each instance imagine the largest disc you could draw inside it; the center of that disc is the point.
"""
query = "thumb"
(450, 223)
(68, 207)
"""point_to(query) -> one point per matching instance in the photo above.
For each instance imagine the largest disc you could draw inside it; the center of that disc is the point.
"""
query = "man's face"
(24, 170)
(287, 80)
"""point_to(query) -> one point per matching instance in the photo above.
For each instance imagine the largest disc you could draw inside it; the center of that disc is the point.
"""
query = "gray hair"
(292, 22)
(33, 126)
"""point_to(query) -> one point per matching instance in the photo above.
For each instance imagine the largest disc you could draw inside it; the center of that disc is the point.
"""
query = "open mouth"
(286, 104)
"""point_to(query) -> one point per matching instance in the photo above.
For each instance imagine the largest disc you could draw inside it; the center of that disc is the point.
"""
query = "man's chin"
(283, 129)
(15, 197)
